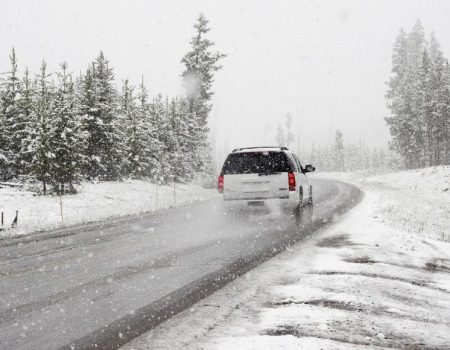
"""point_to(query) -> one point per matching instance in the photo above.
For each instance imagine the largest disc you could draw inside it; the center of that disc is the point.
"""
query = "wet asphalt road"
(101, 285)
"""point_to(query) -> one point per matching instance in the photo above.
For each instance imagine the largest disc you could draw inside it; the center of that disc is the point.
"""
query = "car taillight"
(220, 184)
(291, 181)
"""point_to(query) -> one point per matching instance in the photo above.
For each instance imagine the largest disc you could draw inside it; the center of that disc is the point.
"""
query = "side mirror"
(308, 169)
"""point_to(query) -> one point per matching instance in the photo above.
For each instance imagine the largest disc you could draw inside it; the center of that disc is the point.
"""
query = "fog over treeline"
(325, 62)
(418, 97)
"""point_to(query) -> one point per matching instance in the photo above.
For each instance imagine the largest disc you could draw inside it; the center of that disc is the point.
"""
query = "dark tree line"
(58, 129)
(419, 99)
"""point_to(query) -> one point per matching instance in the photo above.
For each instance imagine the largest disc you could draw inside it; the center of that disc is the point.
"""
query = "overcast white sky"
(325, 62)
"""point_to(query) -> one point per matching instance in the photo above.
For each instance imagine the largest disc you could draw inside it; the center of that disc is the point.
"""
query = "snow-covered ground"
(95, 201)
(373, 279)
(413, 200)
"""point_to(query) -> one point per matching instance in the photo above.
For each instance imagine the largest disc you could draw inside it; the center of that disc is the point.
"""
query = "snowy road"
(105, 285)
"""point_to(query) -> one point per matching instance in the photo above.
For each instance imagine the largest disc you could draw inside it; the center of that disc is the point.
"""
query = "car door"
(303, 179)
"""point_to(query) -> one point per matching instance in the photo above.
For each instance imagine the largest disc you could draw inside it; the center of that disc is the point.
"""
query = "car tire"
(299, 207)
(310, 199)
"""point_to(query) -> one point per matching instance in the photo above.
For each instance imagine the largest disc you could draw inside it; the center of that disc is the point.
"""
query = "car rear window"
(256, 163)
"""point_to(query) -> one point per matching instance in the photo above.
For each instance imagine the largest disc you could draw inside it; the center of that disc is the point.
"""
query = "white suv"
(258, 175)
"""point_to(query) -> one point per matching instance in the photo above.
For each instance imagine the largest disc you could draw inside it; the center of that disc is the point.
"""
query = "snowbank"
(93, 202)
(413, 200)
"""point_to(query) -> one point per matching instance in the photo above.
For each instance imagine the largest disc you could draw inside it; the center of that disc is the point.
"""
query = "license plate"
(256, 203)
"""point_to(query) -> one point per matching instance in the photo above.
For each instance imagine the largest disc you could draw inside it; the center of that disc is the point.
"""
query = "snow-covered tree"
(38, 142)
(184, 143)
(280, 137)
(67, 140)
(159, 117)
(339, 151)
(60, 133)
(12, 125)
(142, 142)
(200, 65)
(25, 117)
(133, 145)
(99, 103)
(285, 136)
(149, 133)
(418, 98)
(289, 135)
(3, 136)
(438, 105)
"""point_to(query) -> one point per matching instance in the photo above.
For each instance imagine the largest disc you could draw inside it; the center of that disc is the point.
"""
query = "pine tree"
(139, 132)
(25, 117)
(398, 102)
(418, 66)
(38, 143)
(312, 155)
(439, 103)
(183, 133)
(87, 105)
(10, 141)
(133, 144)
(423, 113)
(419, 100)
(405, 96)
(151, 144)
(105, 136)
(67, 140)
(159, 119)
(445, 114)
(280, 137)
(339, 151)
(289, 135)
(3, 139)
(200, 65)
(176, 141)
(352, 157)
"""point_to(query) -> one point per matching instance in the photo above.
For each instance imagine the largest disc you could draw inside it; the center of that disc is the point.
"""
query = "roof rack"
(240, 149)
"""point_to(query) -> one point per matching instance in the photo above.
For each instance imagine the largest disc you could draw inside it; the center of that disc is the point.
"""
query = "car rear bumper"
(286, 202)
(253, 198)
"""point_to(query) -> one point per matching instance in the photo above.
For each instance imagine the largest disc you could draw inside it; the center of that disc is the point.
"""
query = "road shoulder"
(95, 204)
